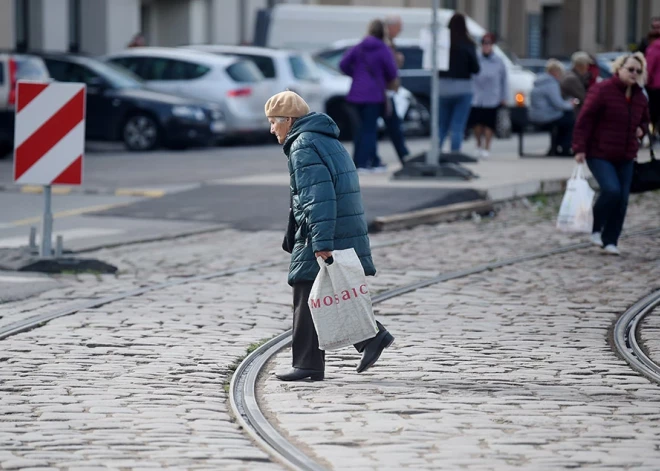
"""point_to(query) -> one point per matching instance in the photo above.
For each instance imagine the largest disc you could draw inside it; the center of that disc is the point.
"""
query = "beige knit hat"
(286, 105)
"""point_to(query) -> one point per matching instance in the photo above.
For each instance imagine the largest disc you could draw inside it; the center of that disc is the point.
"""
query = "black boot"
(373, 350)
(297, 374)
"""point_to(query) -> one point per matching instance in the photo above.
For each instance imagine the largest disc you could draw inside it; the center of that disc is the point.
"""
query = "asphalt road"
(243, 187)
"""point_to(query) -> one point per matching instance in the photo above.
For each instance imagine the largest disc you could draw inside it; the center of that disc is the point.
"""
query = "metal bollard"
(59, 246)
(33, 240)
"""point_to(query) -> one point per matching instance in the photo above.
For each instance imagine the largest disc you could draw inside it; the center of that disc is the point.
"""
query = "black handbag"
(291, 228)
(646, 176)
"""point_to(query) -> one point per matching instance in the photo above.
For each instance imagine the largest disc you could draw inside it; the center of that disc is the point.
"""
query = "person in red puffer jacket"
(615, 115)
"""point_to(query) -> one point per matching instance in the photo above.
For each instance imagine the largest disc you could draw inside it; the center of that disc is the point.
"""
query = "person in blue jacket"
(329, 215)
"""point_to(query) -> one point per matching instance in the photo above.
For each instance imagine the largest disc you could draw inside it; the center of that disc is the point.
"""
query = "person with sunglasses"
(615, 115)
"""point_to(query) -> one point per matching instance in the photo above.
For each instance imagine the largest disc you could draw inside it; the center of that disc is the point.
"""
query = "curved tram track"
(243, 394)
(242, 391)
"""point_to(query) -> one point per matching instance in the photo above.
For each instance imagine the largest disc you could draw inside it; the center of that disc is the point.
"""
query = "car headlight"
(189, 112)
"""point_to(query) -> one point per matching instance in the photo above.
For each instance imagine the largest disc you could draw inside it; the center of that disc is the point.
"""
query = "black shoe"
(297, 374)
(373, 350)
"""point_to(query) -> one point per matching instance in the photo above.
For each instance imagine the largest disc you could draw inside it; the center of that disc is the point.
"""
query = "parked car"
(417, 79)
(283, 69)
(415, 119)
(15, 67)
(120, 108)
(235, 84)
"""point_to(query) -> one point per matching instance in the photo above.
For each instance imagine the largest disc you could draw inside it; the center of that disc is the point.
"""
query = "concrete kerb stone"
(78, 190)
(453, 212)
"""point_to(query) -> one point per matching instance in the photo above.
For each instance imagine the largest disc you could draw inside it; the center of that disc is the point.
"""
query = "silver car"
(292, 70)
(235, 84)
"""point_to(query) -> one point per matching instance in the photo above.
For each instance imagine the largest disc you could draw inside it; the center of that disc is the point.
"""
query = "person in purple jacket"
(371, 65)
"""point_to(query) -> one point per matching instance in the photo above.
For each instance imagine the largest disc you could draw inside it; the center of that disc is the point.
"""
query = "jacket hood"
(370, 43)
(319, 123)
(544, 79)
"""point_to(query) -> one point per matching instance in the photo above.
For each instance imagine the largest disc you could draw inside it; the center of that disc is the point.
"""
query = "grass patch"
(232, 368)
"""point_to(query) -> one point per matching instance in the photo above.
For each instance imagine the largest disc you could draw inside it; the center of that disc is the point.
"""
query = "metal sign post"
(431, 164)
(47, 225)
(434, 152)
(49, 143)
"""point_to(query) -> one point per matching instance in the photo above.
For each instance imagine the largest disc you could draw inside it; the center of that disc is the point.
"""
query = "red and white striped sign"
(49, 136)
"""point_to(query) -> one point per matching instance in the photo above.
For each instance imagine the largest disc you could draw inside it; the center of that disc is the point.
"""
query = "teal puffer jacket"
(325, 190)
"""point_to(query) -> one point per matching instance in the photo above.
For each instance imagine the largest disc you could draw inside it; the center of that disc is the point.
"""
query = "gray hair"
(554, 65)
(279, 119)
(393, 20)
(581, 57)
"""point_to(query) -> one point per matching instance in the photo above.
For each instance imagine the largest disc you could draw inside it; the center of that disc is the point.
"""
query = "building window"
(449, 4)
(632, 21)
(22, 25)
(74, 25)
(494, 16)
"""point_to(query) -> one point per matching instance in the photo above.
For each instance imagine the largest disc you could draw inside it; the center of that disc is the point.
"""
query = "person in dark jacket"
(455, 84)
(614, 116)
(654, 29)
(372, 67)
(575, 82)
(329, 215)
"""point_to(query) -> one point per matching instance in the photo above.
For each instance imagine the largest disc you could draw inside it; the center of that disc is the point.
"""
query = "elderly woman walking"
(614, 116)
(327, 214)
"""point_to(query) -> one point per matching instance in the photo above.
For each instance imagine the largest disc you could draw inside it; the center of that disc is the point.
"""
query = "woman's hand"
(324, 255)
(640, 133)
(580, 157)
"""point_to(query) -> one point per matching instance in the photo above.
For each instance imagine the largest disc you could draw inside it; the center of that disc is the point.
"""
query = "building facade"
(531, 28)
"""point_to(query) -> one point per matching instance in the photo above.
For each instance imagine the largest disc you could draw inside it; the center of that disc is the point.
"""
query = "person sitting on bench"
(550, 111)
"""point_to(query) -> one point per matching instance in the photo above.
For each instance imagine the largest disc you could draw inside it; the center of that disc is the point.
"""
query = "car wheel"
(140, 132)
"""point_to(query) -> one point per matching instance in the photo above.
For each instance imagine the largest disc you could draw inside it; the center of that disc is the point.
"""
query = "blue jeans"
(395, 130)
(614, 180)
(454, 114)
(366, 138)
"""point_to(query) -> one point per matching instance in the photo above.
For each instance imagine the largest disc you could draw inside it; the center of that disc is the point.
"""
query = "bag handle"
(325, 263)
(579, 172)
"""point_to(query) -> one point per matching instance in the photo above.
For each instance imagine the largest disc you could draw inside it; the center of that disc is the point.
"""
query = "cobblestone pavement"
(140, 383)
(511, 369)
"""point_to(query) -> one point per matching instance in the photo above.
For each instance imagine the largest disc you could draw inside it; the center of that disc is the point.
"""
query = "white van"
(327, 28)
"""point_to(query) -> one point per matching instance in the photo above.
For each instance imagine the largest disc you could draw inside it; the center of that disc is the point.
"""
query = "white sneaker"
(596, 240)
(379, 169)
(364, 171)
(612, 249)
(485, 154)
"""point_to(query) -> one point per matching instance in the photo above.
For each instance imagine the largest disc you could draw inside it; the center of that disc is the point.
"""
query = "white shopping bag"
(340, 302)
(575, 213)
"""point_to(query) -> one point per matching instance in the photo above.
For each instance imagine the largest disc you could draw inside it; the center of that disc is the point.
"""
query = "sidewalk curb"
(465, 210)
(75, 190)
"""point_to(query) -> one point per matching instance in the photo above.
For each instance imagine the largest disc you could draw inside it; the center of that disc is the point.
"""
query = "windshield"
(117, 76)
(326, 66)
(303, 68)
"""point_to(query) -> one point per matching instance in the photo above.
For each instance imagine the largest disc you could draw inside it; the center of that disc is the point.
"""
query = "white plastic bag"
(575, 213)
(340, 302)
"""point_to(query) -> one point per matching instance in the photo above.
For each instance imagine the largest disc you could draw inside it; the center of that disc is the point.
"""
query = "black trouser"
(305, 342)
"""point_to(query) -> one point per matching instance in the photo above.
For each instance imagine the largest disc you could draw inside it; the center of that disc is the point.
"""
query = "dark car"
(120, 108)
(15, 67)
